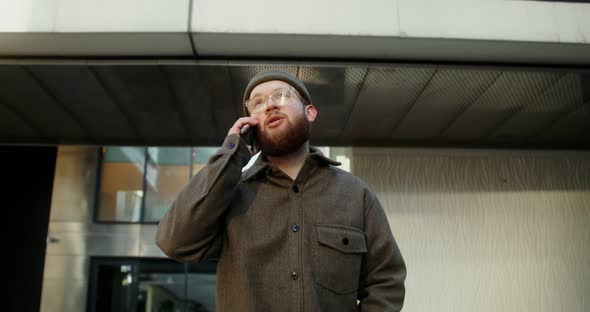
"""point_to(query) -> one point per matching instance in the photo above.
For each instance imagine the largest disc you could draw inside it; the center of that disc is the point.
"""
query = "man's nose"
(271, 105)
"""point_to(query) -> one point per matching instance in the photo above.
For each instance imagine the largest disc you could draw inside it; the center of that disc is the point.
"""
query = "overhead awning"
(188, 103)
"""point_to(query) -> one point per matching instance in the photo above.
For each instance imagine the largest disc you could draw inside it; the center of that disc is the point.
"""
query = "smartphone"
(249, 136)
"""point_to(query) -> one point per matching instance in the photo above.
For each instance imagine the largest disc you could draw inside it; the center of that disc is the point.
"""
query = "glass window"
(179, 288)
(121, 184)
(167, 173)
(138, 284)
(200, 157)
(132, 190)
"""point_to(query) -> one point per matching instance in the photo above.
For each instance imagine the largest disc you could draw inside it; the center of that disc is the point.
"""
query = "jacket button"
(294, 275)
(345, 240)
(295, 228)
(231, 145)
(295, 189)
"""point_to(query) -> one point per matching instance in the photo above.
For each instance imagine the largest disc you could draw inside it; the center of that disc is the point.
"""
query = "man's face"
(282, 129)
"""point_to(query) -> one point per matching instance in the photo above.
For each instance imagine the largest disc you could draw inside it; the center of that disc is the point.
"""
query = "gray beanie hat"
(269, 75)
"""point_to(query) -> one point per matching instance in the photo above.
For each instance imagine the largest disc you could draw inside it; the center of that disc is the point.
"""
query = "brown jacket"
(318, 243)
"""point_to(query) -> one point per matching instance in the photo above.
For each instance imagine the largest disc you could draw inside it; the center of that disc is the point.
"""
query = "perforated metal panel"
(333, 91)
(30, 101)
(387, 95)
(562, 97)
(567, 127)
(506, 96)
(376, 105)
(448, 94)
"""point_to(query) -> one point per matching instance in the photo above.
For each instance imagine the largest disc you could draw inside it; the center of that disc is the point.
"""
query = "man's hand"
(242, 125)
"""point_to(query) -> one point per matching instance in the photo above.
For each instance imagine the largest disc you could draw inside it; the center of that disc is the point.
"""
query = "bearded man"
(293, 232)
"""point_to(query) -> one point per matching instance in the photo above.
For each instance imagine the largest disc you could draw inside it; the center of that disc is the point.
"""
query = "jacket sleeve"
(193, 228)
(383, 269)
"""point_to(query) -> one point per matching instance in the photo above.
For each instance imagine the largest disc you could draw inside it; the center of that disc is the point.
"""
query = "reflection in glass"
(200, 157)
(123, 196)
(166, 174)
(121, 184)
(166, 292)
(201, 290)
(114, 288)
(154, 285)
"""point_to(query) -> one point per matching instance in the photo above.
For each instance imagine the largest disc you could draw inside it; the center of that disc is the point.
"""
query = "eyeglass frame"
(268, 97)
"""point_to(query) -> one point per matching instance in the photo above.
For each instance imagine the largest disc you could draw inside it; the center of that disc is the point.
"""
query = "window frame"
(208, 267)
(146, 157)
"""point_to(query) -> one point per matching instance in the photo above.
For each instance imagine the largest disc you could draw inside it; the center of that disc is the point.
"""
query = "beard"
(284, 141)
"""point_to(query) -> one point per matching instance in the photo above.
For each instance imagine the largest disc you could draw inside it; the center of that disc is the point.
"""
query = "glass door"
(152, 285)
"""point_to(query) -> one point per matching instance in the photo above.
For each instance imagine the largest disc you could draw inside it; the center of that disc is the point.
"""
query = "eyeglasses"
(280, 97)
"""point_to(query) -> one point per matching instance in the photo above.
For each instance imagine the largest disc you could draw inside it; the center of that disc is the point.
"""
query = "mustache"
(272, 116)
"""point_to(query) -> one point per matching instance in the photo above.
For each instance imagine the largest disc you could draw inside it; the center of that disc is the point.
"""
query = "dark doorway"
(26, 194)
(158, 285)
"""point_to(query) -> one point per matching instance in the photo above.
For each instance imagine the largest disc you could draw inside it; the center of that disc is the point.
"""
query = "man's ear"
(310, 112)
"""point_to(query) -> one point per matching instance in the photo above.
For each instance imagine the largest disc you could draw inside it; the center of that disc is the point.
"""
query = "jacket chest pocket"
(340, 254)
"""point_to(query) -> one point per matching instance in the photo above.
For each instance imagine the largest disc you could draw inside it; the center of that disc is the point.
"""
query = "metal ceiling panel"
(13, 127)
(333, 92)
(562, 97)
(566, 127)
(508, 94)
(173, 104)
(449, 93)
(244, 73)
(387, 95)
(192, 86)
(144, 96)
(23, 94)
(97, 112)
(223, 94)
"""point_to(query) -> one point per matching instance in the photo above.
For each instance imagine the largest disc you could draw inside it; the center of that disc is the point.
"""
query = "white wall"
(464, 19)
(308, 28)
(487, 230)
(480, 230)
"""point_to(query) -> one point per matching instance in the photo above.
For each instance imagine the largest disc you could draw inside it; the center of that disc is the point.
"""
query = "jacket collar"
(261, 165)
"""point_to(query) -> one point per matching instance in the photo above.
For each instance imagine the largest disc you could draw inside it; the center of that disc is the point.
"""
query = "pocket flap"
(342, 238)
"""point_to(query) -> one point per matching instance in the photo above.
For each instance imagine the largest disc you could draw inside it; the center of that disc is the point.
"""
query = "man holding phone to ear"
(293, 232)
